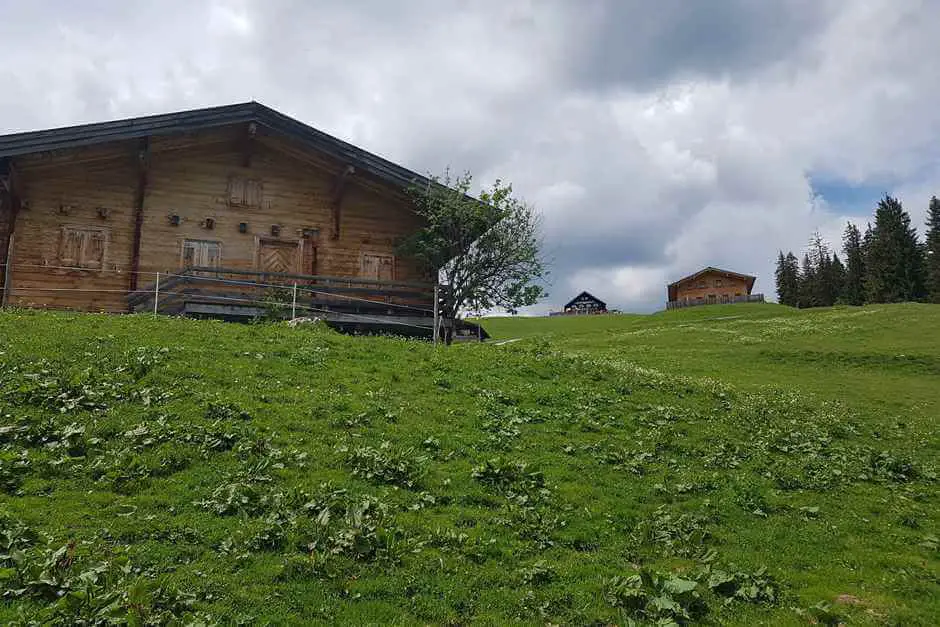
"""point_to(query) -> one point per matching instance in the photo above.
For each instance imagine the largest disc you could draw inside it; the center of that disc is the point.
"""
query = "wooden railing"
(717, 300)
(311, 292)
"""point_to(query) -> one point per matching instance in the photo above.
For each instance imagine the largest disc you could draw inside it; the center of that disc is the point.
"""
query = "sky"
(655, 138)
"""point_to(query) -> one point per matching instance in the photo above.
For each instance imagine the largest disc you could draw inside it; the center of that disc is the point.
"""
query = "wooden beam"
(336, 201)
(248, 144)
(143, 170)
(10, 204)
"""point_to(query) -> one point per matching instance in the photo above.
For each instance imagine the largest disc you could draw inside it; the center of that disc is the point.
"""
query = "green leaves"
(486, 250)
(656, 597)
(757, 587)
(403, 467)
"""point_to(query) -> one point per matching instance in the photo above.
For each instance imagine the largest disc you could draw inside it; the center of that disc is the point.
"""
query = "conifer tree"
(837, 280)
(932, 251)
(823, 286)
(807, 285)
(895, 258)
(788, 279)
(853, 288)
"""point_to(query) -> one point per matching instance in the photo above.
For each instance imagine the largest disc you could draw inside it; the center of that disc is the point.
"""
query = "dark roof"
(671, 288)
(199, 119)
(591, 296)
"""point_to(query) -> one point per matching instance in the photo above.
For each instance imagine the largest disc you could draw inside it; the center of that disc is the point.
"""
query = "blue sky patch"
(850, 198)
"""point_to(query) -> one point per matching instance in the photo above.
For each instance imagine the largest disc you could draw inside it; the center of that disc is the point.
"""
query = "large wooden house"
(711, 286)
(202, 213)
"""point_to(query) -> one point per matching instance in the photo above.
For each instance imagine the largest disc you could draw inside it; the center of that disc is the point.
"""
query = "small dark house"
(585, 303)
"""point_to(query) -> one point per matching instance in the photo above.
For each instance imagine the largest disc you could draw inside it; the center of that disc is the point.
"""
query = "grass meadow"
(746, 464)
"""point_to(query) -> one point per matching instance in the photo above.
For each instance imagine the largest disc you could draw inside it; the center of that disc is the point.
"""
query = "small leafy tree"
(486, 251)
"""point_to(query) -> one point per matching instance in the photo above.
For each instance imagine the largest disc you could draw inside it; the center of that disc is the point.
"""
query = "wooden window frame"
(183, 243)
(78, 264)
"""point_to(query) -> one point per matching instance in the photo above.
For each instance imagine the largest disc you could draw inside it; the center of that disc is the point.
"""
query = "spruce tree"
(780, 276)
(788, 280)
(837, 280)
(853, 287)
(793, 277)
(823, 288)
(932, 251)
(806, 293)
(895, 257)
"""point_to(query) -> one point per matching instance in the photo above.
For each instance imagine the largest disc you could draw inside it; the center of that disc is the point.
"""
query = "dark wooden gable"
(586, 300)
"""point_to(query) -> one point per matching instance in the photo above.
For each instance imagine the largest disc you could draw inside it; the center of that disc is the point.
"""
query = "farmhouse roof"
(199, 119)
(749, 280)
(589, 295)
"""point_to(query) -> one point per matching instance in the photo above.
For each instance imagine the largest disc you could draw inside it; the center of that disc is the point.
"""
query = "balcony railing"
(304, 292)
(715, 300)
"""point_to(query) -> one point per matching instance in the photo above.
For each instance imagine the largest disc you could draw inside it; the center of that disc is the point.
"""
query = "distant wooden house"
(585, 303)
(711, 286)
(203, 212)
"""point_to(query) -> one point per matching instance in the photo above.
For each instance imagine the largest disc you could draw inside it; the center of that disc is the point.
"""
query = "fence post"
(293, 305)
(156, 294)
(436, 313)
(7, 271)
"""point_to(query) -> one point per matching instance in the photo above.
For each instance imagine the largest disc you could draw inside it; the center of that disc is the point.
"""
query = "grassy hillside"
(599, 470)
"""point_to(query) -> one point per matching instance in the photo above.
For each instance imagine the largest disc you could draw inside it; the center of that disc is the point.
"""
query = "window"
(717, 282)
(702, 285)
(83, 247)
(244, 192)
(201, 253)
(381, 267)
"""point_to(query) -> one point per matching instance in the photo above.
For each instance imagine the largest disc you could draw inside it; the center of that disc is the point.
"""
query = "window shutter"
(82, 248)
(253, 193)
(236, 191)
(71, 246)
(93, 250)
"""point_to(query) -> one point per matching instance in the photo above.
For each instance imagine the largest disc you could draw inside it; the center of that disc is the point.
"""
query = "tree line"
(886, 264)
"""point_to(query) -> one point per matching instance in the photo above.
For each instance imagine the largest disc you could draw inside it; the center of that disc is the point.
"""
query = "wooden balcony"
(717, 300)
(348, 304)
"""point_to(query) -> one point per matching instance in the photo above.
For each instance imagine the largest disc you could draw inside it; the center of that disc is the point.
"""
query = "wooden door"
(278, 256)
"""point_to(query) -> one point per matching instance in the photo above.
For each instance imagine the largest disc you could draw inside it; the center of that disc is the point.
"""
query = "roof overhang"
(201, 119)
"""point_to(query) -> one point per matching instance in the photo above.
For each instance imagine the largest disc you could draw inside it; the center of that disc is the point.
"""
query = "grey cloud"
(653, 136)
(639, 44)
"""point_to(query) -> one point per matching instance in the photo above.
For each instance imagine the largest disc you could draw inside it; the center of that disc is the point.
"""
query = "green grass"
(741, 464)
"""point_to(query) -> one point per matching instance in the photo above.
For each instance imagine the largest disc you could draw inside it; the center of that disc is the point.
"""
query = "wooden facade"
(95, 212)
(711, 286)
(585, 303)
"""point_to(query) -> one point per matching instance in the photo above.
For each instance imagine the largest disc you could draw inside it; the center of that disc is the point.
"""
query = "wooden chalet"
(585, 303)
(711, 286)
(213, 212)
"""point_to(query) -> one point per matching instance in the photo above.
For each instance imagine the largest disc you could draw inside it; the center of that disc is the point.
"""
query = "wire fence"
(268, 302)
